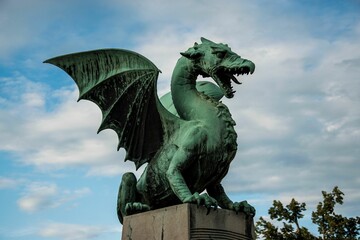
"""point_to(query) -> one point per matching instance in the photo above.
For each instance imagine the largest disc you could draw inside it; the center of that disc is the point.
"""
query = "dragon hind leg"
(128, 198)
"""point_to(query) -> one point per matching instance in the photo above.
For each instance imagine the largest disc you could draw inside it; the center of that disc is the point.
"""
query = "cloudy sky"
(298, 116)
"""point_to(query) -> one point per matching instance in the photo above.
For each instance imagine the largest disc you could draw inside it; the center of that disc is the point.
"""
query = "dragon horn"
(204, 40)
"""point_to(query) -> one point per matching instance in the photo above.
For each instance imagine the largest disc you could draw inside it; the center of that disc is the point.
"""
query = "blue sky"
(298, 116)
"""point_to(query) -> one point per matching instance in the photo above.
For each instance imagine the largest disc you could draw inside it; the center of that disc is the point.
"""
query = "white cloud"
(64, 136)
(74, 231)
(9, 182)
(65, 231)
(40, 196)
(113, 169)
(265, 121)
(33, 100)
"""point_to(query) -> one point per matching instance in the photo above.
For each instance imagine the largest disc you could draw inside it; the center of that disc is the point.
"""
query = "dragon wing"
(123, 84)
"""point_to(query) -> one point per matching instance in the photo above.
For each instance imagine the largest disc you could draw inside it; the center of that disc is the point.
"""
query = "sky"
(298, 115)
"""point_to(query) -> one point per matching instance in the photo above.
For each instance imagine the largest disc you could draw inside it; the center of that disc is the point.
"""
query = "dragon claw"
(136, 207)
(243, 207)
(204, 200)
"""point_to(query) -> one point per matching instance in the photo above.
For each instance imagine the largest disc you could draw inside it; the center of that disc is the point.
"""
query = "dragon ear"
(192, 53)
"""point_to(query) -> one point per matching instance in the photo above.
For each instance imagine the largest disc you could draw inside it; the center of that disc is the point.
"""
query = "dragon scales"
(187, 138)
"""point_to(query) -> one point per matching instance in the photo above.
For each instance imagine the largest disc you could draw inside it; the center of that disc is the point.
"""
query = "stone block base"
(187, 221)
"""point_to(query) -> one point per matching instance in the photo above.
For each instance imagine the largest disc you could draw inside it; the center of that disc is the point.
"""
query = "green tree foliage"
(331, 226)
(290, 215)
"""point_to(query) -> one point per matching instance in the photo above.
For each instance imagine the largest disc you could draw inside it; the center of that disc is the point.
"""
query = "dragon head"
(216, 60)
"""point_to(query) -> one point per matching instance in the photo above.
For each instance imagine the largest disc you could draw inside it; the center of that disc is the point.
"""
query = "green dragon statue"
(188, 148)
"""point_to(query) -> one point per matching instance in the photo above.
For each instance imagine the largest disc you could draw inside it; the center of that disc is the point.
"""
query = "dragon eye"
(220, 54)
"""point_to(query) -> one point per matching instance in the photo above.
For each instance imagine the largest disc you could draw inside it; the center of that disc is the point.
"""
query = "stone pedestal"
(187, 221)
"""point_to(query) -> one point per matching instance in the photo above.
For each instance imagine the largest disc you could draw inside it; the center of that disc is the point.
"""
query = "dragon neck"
(189, 103)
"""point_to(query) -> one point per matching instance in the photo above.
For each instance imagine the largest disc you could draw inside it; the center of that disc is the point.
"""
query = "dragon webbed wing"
(123, 84)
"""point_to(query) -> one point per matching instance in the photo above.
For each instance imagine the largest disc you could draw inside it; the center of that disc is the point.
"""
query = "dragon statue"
(187, 139)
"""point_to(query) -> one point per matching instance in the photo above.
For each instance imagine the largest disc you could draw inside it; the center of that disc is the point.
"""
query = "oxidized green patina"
(188, 145)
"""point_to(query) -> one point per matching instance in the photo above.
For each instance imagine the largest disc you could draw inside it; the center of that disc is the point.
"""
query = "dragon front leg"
(217, 191)
(177, 182)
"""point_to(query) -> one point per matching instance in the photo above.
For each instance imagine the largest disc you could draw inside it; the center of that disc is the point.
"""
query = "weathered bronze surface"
(188, 144)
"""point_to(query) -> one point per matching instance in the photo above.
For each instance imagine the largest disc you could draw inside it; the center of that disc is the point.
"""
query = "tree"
(331, 226)
(291, 215)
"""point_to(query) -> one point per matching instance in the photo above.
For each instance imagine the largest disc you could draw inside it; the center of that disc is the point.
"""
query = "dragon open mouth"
(223, 77)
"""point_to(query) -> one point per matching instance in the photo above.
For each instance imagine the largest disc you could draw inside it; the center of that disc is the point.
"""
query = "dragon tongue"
(235, 80)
